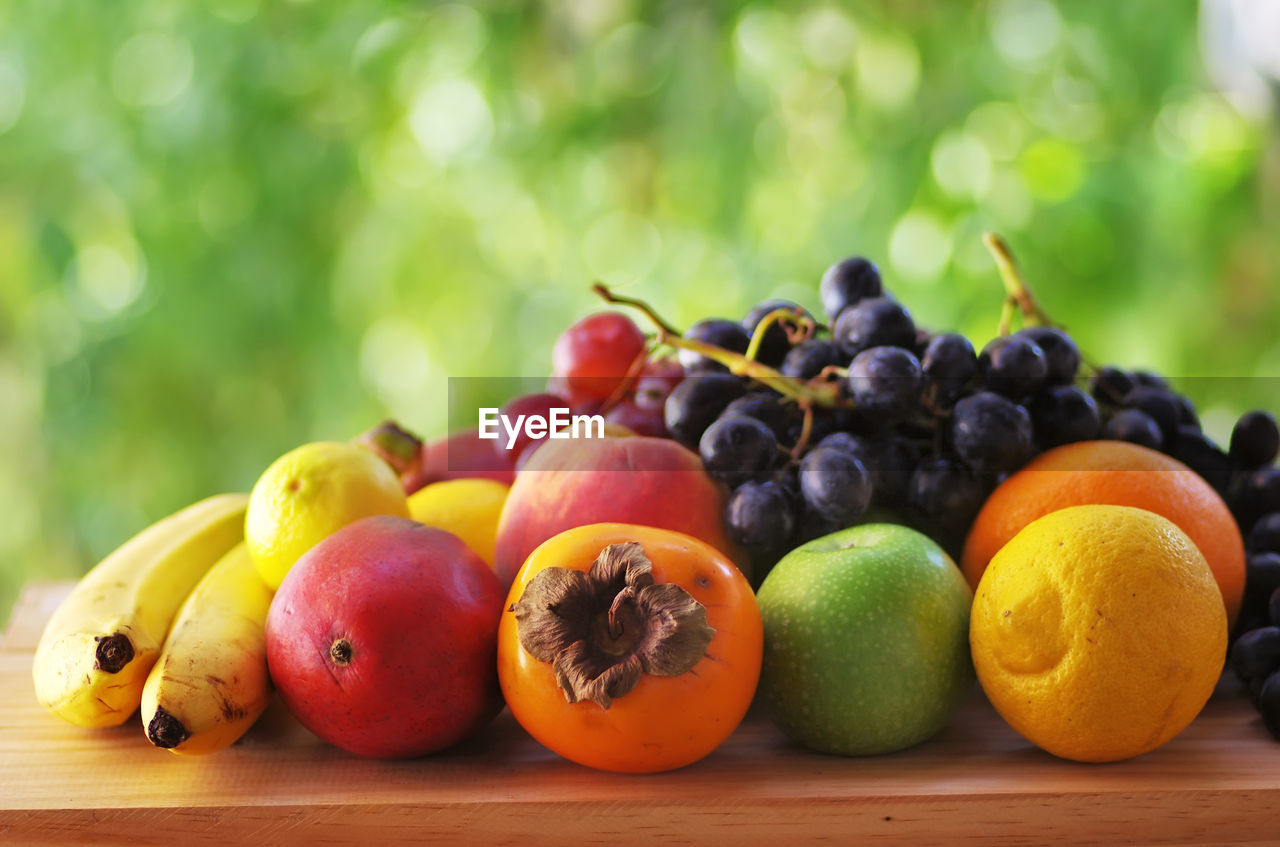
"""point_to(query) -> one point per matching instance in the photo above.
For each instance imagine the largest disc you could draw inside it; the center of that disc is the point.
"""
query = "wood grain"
(1219, 782)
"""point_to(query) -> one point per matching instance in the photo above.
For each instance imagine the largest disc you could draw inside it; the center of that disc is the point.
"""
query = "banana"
(210, 683)
(99, 646)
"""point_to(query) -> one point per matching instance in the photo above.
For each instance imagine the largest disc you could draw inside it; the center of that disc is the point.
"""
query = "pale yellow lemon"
(310, 493)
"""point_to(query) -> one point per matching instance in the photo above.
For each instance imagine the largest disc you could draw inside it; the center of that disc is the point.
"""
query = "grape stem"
(1018, 295)
(621, 300)
(806, 431)
(821, 394)
(797, 327)
(628, 381)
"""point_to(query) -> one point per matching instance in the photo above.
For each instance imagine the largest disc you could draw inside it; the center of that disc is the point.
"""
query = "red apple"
(382, 639)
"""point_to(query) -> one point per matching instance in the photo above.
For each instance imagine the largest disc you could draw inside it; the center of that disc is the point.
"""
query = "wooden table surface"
(1219, 782)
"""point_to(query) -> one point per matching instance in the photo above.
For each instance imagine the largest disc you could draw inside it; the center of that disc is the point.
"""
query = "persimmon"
(629, 648)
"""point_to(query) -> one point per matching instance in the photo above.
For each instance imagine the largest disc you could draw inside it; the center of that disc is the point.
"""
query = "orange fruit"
(1120, 474)
(1098, 632)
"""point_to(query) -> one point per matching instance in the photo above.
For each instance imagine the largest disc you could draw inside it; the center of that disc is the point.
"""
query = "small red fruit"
(595, 354)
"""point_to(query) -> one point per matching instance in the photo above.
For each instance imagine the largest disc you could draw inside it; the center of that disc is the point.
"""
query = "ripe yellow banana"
(210, 683)
(100, 644)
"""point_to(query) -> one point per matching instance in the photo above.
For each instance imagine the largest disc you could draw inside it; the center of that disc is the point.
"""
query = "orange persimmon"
(629, 648)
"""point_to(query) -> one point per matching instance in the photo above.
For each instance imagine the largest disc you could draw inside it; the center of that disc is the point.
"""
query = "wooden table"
(1219, 782)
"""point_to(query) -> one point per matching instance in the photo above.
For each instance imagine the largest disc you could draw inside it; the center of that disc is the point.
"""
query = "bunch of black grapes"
(928, 426)
(931, 425)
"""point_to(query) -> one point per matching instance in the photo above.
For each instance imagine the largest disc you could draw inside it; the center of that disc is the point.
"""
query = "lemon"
(1098, 632)
(469, 508)
(310, 493)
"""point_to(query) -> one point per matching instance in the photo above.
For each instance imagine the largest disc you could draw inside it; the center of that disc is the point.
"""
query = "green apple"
(866, 640)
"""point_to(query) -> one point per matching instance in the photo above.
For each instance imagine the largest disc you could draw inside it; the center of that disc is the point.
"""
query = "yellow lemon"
(1098, 632)
(310, 493)
(469, 508)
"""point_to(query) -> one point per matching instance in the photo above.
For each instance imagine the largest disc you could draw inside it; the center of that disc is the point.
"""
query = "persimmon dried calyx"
(603, 629)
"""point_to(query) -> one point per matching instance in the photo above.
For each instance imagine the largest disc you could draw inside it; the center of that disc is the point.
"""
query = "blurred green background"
(230, 227)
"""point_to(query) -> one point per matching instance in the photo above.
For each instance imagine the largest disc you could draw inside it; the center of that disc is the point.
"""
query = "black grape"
(847, 282)
(834, 484)
(1159, 404)
(1255, 493)
(1186, 412)
(1255, 440)
(1261, 579)
(760, 515)
(1013, 365)
(1268, 703)
(1060, 352)
(807, 359)
(846, 442)
(889, 461)
(1135, 427)
(1265, 535)
(1149, 379)
(946, 493)
(825, 422)
(885, 381)
(1110, 385)
(991, 433)
(1197, 451)
(718, 332)
(1256, 653)
(1062, 414)
(1264, 490)
(949, 365)
(696, 402)
(774, 346)
(736, 448)
(873, 322)
(767, 407)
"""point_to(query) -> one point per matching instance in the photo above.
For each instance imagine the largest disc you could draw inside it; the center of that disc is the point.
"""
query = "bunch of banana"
(211, 682)
(98, 648)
